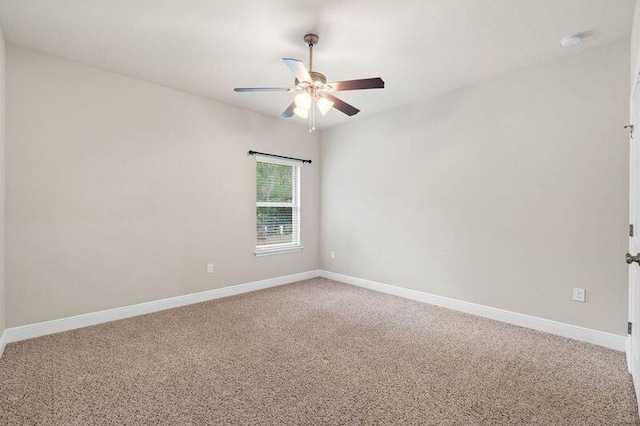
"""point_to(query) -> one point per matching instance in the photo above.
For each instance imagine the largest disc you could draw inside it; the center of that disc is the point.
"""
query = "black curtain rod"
(278, 156)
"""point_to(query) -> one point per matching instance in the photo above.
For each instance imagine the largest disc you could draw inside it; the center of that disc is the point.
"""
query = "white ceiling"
(420, 48)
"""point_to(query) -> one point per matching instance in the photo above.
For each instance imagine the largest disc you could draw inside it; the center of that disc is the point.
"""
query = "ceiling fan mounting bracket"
(311, 39)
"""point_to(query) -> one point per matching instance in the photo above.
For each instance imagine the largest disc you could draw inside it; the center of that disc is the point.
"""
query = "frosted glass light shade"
(303, 100)
(301, 112)
(324, 105)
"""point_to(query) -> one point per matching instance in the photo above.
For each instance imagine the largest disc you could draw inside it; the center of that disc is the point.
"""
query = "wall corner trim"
(29, 331)
(601, 338)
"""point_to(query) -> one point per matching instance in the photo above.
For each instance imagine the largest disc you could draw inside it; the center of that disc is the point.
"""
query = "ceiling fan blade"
(287, 113)
(341, 105)
(262, 89)
(365, 83)
(298, 69)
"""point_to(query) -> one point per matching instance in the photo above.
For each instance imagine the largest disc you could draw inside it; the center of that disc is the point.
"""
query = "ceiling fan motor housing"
(319, 81)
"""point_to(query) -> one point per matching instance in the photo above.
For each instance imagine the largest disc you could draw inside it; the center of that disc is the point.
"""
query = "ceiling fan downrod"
(311, 40)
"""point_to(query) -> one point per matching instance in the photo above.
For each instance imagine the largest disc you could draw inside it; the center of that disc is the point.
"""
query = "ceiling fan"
(312, 89)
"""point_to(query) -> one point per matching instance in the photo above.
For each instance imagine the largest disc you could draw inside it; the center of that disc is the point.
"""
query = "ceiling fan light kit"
(311, 89)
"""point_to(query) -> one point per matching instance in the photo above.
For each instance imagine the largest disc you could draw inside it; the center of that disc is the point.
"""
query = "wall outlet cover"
(579, 294)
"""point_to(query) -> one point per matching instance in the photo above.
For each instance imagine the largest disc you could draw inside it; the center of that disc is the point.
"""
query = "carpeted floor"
(314, 352)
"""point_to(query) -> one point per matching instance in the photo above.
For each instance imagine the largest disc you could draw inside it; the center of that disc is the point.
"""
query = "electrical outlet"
(579, 294)
(333, 254)
(209, 268)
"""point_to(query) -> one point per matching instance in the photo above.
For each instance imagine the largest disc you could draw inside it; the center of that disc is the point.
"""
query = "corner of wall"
(2, 191)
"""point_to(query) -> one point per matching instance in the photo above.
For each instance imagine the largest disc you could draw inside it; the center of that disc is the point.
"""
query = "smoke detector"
(571, 40)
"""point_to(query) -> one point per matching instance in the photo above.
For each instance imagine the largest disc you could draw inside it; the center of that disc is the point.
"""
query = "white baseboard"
(30, 331)
(3, 342)
(601, 338)
(627, 350)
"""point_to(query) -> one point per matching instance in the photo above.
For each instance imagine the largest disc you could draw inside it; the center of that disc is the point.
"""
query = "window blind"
(277, 204)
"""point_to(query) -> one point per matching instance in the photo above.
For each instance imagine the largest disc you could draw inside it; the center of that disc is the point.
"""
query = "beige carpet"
(315, 352)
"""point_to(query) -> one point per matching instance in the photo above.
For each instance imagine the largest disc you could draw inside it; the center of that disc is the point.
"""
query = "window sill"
(277, 250)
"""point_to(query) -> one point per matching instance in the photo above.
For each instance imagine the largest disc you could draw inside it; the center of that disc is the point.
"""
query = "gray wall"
(2, 184)
(508, 193)
(120, 191)
(635, 42)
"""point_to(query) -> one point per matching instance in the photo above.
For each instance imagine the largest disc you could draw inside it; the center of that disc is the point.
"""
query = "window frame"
(281, 248)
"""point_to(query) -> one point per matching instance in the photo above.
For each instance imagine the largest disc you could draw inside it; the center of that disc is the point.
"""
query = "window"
(277, 206)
